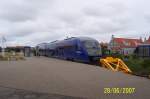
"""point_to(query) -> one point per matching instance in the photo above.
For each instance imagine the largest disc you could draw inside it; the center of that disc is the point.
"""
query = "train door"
(61, 52)
(81, 53)
(70, 52)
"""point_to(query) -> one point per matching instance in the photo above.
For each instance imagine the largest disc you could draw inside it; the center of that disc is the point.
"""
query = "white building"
(124, 45)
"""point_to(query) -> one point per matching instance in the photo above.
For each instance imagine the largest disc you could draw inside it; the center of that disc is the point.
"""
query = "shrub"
(139, 66)
(146, 63)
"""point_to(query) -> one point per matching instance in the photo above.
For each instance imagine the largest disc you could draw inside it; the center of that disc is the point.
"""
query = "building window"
(126, 43)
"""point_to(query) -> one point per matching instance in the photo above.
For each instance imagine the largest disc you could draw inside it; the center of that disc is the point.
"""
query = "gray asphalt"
(53, 76)
(12, 93)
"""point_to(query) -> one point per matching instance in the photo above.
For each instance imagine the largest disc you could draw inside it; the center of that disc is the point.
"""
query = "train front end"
(93, 50)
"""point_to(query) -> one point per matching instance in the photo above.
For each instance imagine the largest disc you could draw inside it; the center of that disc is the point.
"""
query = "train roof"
(70, 40)
(86, 38)
(80, 38)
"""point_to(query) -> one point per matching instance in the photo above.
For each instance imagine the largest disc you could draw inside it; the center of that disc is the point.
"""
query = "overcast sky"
(29, 22)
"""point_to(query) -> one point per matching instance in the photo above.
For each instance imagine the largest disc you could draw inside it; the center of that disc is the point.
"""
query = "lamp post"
(3, 41)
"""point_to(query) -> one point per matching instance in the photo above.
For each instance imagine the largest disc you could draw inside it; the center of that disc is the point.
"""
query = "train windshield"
(92, 47)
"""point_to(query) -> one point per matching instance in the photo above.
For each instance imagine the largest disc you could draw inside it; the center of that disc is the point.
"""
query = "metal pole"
(3, 40)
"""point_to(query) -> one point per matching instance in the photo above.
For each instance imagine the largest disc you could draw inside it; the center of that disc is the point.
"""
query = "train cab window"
(92, 48)
(90, 44)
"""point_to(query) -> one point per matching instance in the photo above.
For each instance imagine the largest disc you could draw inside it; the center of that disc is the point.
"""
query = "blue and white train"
(83, 49)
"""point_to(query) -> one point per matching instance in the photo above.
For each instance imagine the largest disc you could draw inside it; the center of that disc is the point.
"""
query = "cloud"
(21, 10)
(29, 22)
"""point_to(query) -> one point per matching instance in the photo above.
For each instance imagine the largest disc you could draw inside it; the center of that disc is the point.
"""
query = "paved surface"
(11, 93)
(47, 75)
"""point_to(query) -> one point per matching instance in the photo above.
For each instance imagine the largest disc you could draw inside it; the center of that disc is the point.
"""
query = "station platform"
(66, 78)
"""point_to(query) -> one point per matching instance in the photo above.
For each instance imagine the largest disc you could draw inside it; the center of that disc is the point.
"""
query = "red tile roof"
(127, 43)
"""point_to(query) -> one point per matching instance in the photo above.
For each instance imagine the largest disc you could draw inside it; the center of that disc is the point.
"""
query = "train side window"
(141, 51)
(147, 51)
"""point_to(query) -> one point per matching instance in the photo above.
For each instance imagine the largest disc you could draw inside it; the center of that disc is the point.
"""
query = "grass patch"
(139, 66)
(11, 56)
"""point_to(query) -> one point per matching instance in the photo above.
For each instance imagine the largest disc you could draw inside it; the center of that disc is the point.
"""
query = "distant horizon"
(143, 38)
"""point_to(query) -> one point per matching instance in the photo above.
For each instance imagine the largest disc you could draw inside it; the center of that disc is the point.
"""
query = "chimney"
(112, 37)
(145, 39)
(112, 40)
(141, 39)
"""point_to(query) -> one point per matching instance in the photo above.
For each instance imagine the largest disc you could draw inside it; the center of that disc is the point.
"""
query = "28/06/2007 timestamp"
(119, 90)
